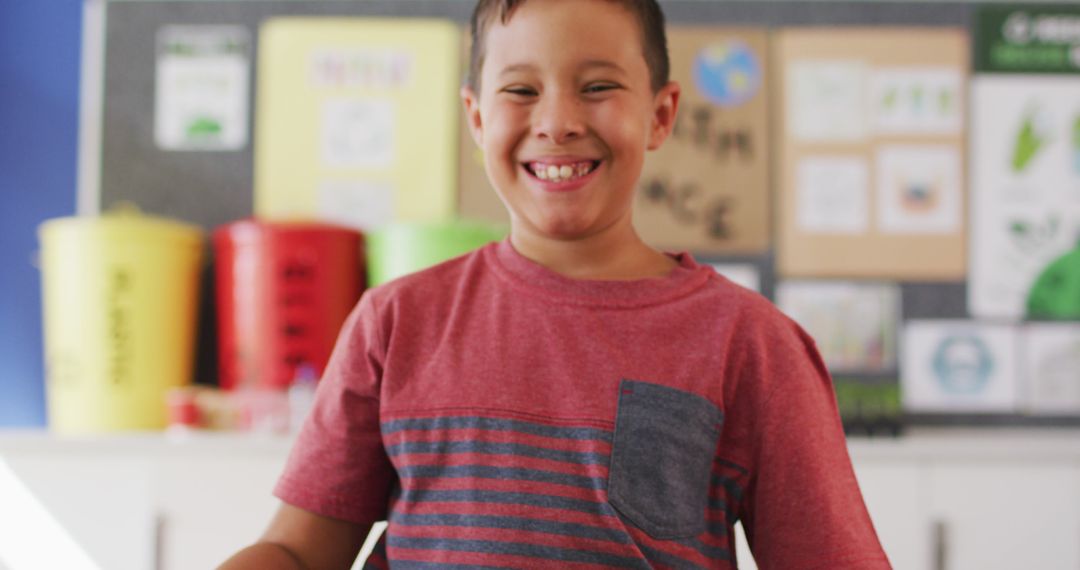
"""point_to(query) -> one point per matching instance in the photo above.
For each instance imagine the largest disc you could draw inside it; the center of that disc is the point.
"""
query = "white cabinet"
(211, 506)
(897, 498)
(991, 500)
(997, 515)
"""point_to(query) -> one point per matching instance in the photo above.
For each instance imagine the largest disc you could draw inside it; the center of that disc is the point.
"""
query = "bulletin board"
(877, 193)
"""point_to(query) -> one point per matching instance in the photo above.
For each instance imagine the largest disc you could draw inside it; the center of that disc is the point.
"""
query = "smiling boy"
(570, 397)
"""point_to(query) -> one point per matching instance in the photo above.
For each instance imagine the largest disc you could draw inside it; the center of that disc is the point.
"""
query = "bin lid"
(121, 224)
(469, 232)
(255, 231)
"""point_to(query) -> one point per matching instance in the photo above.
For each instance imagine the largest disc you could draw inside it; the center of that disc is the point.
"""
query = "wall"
(39, 87)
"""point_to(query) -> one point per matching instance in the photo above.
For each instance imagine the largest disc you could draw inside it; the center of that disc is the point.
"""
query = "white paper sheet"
(358, 133)
(826, 100)
(743, 274)
(1051, 368)
(853, 324)
(360, 204)
(832, 195)
(918, 189)
(201, 90)
(916, 100)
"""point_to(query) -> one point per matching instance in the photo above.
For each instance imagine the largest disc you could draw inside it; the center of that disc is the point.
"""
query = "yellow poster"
(356, 120)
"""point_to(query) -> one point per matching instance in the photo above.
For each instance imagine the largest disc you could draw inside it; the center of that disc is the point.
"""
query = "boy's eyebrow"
(513, 68)
(588, 64)
(602, 63)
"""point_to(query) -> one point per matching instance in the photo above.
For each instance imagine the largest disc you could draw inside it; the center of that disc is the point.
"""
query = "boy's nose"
(559, 119)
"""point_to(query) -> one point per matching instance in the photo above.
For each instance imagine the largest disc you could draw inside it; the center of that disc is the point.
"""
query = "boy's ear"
(665, 105)
(471, 101)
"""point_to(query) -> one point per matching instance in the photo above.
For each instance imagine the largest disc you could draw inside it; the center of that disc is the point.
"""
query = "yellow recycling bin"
(120, 298)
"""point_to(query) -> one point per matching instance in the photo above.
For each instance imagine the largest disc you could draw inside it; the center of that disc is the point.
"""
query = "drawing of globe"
(727, 74)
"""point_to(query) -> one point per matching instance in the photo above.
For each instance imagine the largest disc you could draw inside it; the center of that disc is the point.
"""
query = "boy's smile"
(564, 115)
(559, 170)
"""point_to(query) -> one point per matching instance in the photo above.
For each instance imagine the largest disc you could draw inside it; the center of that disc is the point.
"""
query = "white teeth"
(561, 173)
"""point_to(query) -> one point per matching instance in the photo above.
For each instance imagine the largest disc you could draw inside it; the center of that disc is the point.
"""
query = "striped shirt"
(499, 415)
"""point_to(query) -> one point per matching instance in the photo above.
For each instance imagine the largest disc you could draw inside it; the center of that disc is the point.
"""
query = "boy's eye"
(521, 91)
(599, 87)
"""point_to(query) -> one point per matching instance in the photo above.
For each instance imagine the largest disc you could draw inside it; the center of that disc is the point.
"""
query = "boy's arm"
(802, 508)
(301, 540)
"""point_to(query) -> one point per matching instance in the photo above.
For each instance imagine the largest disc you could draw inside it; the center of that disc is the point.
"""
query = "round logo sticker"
(963, 364)
(727, 74)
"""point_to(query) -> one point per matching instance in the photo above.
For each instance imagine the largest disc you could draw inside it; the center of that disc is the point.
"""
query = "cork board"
(707, 188)
(871, 152)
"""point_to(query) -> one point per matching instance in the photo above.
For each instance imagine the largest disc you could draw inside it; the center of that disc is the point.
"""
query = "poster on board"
(201, 88)
(954, 366)
(1025, 158)
(356, 121)
(854, 324)
(871, 152)
(1051, 368)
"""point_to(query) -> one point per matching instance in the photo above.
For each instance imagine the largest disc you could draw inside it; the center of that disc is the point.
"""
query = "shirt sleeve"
(803, 508)
(338, 466)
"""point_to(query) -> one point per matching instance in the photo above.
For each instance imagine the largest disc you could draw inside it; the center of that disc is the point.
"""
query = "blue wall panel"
(39, 101)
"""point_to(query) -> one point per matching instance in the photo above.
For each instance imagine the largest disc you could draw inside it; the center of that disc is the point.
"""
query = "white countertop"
(1041, 444)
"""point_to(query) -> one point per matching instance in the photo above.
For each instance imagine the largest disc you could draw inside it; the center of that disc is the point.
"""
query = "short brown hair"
(648, 13)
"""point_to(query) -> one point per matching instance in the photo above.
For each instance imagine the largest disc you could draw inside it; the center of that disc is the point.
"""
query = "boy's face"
(565, 113)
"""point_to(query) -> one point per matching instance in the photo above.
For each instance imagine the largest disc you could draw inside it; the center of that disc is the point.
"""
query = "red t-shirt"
(499, 414)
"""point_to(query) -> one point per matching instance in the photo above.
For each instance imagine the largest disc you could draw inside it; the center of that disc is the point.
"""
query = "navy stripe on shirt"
(494, 424)
(490, 448)
(501, 473)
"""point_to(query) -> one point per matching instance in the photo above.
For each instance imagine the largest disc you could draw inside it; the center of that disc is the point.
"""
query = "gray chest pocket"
(661, 458)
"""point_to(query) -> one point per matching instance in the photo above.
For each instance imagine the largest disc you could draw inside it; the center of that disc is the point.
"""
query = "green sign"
(1027, 38)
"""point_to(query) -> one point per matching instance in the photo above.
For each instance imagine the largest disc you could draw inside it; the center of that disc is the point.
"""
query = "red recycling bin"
(283, 291)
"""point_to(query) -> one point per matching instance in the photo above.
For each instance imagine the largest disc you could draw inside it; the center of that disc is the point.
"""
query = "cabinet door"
(896, 496)
(213, 506)
(994, 515)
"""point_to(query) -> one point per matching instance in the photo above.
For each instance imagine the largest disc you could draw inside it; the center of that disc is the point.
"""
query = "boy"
(570, 397)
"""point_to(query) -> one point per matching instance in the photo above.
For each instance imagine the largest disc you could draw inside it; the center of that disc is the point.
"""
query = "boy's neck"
(617, 254)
